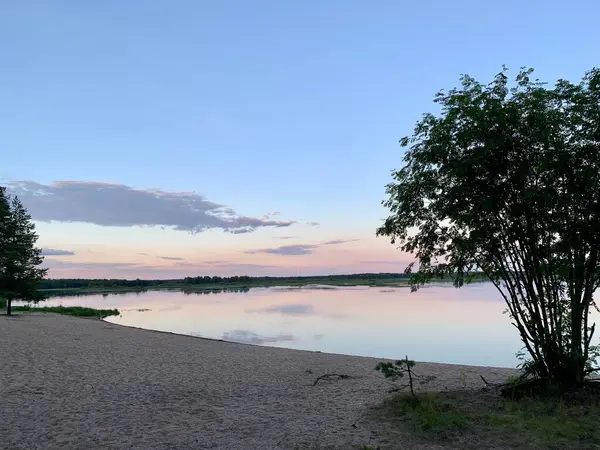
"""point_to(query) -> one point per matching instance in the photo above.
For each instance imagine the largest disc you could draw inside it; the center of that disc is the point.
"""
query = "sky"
(156, 139)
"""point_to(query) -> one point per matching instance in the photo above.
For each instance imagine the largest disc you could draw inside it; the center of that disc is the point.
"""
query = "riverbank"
(75, 383)
(239, 286)
(236, 286)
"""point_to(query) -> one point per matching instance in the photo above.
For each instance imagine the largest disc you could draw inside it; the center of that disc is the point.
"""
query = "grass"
(78, 311)
(483, 420)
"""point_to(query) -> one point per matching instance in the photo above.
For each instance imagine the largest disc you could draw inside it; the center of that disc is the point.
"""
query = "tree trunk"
(8, 306)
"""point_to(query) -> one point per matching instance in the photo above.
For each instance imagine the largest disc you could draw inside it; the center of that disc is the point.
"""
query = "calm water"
(437, 323)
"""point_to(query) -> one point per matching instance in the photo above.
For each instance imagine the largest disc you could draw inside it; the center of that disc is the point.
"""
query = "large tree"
(506, 180)
(19, 257)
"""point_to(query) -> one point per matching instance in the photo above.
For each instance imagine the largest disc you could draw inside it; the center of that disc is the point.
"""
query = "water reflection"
(437, 323)
(249, 337)
(190, 291)
(290, 310)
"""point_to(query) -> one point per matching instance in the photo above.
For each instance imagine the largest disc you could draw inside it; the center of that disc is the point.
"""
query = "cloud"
(248, 337)
(142, 254)
(118, 205)
(289, 310)
(170, 258)
(288, 250)
(384, 262)
(313, 224)
(339, 241)
(284, 237)
(270, 215)
(56, 252)
(298, 249)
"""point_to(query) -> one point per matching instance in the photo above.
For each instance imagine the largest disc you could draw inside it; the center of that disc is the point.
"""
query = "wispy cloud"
(170, 258)
(287, 250)
(118, 205)
(299, 249)
(284, 237)
(270, 215)
(56, 252)
(313, 224)
(339, 241)
(384, 262)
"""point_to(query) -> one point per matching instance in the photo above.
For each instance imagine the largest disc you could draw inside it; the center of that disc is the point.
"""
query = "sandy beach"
(71, 383)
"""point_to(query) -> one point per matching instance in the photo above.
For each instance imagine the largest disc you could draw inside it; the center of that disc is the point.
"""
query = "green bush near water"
(78, 311)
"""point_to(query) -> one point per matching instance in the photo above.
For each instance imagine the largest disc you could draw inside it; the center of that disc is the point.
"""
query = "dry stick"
(410, 380)
(492, 384)
(331, 375)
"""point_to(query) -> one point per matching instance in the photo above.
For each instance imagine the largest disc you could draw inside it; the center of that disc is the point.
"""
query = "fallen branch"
(496, 385)
(328, 376)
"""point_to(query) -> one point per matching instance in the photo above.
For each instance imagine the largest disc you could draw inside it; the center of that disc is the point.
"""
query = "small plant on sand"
(397, 369)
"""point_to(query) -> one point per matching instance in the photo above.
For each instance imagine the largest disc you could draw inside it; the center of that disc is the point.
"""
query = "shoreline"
(291, 349)
(398, 283)
(71, 383)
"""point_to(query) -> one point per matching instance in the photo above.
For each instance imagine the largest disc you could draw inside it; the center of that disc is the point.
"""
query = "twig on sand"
(328, 376)
(494, 385)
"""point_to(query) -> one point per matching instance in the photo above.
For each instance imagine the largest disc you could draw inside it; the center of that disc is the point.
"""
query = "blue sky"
(263, 106)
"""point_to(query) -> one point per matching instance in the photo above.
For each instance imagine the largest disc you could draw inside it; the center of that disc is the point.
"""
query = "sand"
(72, 383)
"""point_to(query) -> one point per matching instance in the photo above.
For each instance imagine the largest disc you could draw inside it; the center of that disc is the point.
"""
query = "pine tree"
(19, 257)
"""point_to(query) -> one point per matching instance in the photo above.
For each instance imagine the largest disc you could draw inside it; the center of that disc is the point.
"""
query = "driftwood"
(329, 376)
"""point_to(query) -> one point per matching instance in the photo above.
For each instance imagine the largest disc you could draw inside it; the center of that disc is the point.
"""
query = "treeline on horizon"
(70, 283)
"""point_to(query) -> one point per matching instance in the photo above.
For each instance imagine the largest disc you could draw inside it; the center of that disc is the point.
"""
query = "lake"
(438, 323)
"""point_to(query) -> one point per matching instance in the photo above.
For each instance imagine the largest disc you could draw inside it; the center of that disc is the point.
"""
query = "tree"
(506, 180)
(19, 258)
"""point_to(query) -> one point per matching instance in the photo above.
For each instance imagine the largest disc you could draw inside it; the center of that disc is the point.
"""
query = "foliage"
(19, 258)
(506, 180)
(397, 369)
(78, 311)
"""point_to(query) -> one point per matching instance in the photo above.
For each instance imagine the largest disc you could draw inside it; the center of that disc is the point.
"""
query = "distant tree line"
(69, 283)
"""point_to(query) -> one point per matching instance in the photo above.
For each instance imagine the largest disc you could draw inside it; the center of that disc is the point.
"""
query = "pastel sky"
(159, 139)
